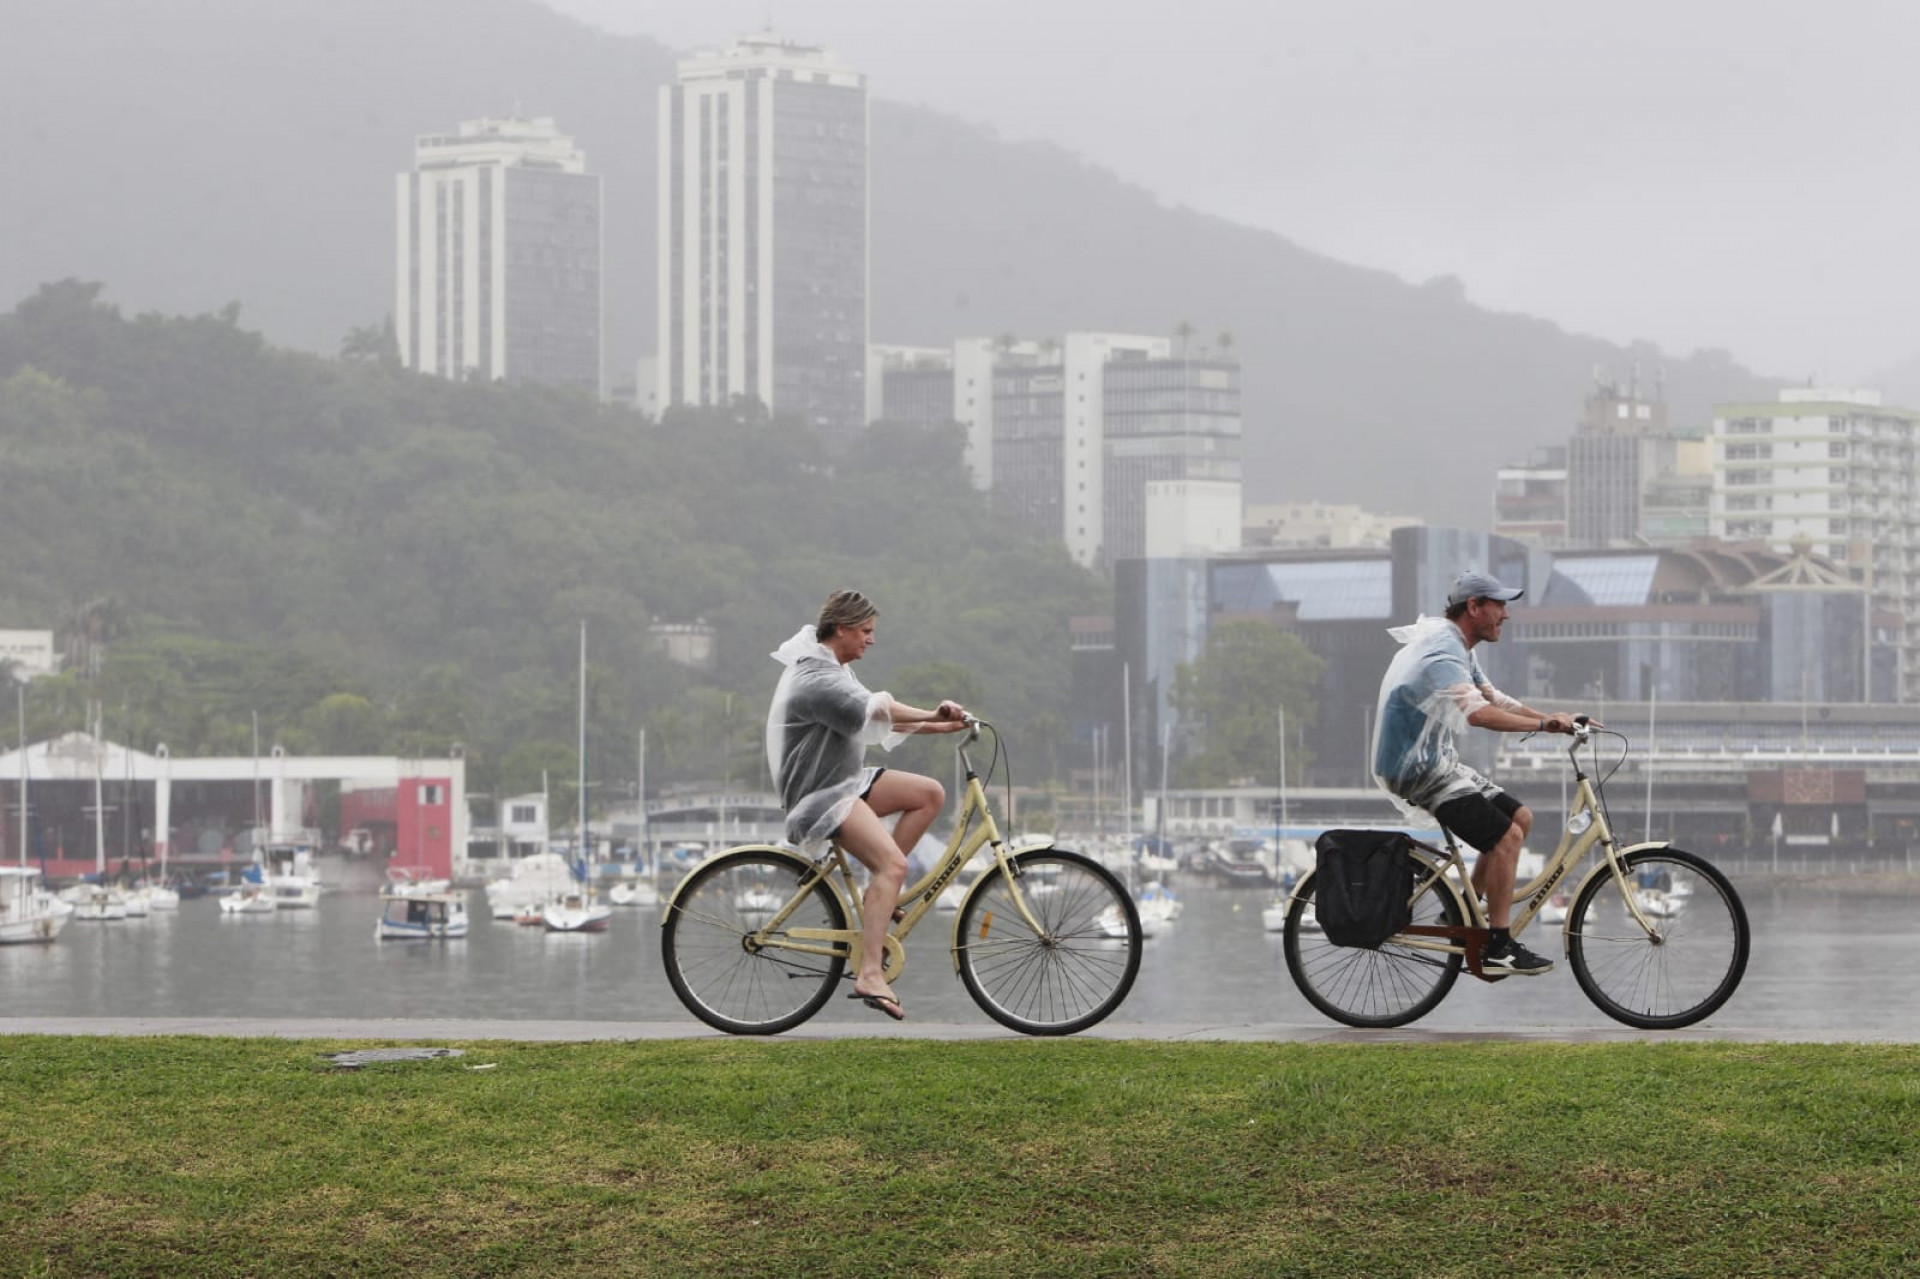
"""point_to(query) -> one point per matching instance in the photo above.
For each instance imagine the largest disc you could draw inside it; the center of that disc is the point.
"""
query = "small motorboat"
(576, 913)
(421, 917)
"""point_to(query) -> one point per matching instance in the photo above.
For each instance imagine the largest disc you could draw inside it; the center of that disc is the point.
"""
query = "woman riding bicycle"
(818, 728)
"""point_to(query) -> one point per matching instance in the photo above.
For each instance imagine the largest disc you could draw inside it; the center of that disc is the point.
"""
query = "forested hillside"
(373, 560)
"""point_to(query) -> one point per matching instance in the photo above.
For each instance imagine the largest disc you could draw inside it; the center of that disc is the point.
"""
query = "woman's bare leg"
(863, 835)
(917, 799)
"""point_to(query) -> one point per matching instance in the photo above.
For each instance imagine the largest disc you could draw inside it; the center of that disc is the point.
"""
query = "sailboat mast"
(586, 835)
(21, 689)
(99, 809)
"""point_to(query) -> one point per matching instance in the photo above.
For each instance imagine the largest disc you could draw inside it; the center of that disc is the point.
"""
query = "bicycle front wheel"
(1681, 971)
(1396, 984)
(1070, 973)
(725, 970)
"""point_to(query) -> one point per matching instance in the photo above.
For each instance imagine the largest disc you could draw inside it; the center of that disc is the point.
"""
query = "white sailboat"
(644, 888)
(578, 912)
(534, 881)
(97, 903)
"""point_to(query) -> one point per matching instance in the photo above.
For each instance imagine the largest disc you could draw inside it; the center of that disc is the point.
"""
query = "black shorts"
(1479, 820)
(875, 782)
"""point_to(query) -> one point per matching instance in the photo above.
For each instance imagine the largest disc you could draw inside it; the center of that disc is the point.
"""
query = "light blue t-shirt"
(1431, 686)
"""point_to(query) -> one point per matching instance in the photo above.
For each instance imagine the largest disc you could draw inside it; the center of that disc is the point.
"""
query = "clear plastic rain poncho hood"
(818, 729)
(1431, 686)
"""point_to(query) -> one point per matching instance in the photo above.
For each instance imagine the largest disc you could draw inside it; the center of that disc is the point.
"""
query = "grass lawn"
(204, 1156)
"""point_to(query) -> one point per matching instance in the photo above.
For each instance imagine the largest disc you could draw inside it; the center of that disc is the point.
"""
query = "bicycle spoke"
(723, 970)
(1390, 986)
(1067, 975)
(1679, 968)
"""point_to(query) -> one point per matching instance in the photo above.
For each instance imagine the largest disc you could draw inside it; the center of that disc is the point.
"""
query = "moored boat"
(293, 882)
(95, 902)
(633, 892)
(28, 912)
(534, 881)
(576, 913)
(421, 916)
(247, 899)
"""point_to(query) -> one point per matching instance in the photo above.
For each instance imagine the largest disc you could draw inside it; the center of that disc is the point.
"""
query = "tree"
(376, 342)
(1231, 697)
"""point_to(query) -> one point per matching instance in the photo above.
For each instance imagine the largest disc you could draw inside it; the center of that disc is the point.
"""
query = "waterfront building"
(1315, 525)
(1073, 435)
(1530, 499)
(763, 256)
(204, 812)
(1833, 470)
(1626, 477)
(499, 256)
(1725, 663)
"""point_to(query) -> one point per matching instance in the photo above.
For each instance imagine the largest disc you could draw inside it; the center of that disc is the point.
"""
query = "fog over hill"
(245, 150)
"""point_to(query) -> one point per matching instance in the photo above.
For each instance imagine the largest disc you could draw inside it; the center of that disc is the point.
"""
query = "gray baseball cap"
(1474, 586)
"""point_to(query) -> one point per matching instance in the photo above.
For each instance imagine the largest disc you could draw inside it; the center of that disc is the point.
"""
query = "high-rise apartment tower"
(763, 233)
(499, 256)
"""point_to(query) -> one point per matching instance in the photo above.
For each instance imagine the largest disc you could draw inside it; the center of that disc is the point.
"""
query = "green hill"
(372, 559)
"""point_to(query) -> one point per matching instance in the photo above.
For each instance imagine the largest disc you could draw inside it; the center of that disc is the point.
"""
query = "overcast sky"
(1704, 173)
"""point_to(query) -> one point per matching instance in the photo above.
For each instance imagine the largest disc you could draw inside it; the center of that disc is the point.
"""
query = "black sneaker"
(1511, 957)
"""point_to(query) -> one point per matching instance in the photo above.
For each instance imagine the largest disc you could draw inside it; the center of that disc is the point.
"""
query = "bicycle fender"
(958, 944)
(1603, 869)
(785, 854)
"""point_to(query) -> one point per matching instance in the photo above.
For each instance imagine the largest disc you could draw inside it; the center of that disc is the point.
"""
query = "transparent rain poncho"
(818, 729)
(1432, 685)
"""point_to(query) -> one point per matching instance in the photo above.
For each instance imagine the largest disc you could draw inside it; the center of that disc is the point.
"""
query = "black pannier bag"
(1362, 886)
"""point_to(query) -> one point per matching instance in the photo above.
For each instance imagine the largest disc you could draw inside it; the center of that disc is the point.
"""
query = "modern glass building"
(499, 255)
(763, 233)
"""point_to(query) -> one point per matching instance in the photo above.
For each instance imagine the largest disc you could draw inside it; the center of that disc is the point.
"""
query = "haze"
(1713, 175)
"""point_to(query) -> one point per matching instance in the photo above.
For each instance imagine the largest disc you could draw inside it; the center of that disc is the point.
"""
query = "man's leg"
(863, 835)
(1502, 863)
(1494, 871)
(1497, 824)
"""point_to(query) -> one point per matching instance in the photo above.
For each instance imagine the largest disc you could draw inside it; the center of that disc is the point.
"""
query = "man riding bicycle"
(1433, 689)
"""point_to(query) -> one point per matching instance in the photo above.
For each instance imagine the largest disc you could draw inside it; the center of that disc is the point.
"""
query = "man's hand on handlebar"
(1567, 722)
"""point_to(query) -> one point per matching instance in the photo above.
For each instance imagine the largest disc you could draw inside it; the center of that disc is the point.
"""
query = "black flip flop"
(882, 1003)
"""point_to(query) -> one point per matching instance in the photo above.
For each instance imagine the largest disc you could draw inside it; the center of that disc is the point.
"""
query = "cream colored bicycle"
(757, 938)
(1656, 937)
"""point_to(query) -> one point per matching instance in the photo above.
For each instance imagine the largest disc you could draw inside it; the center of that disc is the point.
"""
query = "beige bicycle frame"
(1450, 869)
(916, 899)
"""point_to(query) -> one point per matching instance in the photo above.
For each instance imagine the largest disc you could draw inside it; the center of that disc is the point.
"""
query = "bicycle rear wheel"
(1391, 986)
(1681, 972)
(726, 976)
(1070, 974)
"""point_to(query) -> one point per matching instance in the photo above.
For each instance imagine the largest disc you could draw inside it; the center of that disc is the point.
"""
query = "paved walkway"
(346, 1028)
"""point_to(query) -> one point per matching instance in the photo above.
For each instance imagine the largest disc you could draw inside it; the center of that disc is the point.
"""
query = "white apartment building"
(498, 255)
(763, 233)
(1832, 471)
(1072, 434)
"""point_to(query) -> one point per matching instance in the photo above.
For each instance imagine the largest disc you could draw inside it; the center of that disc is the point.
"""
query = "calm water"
(1827, 961)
